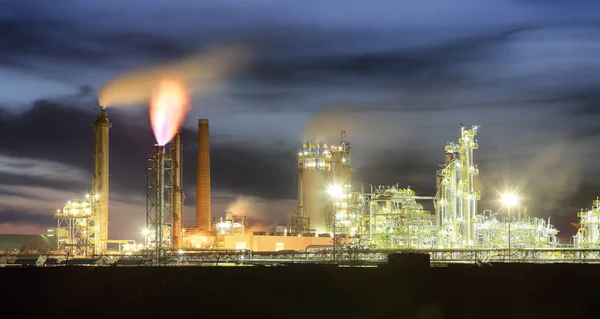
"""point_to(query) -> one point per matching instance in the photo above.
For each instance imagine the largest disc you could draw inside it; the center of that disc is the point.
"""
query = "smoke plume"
(200, 74)
(260, 214)
(367, 122)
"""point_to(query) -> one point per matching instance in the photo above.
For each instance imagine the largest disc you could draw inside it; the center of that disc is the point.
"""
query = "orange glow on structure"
(168, 107)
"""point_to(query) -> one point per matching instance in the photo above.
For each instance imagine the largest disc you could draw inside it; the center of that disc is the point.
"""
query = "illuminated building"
(78, 226)
(321, 169)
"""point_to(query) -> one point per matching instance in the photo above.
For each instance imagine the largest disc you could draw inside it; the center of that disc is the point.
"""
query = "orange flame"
(168, 107)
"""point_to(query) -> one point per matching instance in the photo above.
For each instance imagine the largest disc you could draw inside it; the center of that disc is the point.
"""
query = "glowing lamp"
(509, 200)
(335, 191)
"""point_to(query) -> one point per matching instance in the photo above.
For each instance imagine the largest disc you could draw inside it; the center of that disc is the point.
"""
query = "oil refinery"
(332, 219)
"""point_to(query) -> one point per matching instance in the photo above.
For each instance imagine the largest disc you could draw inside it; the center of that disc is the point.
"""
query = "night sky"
(398, 76)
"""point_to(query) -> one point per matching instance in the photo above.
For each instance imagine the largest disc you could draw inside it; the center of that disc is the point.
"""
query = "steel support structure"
(366, 257)
(158, 203)
(78, 231)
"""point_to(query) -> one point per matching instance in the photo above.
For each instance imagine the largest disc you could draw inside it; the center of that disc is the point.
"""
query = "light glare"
(509, 200)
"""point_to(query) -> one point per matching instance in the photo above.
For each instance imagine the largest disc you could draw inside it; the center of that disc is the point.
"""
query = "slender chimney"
(203, 217)
(100, 180)
(177, 200)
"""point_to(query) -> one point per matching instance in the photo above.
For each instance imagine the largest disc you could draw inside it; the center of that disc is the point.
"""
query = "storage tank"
(313, 177)
(315, 199)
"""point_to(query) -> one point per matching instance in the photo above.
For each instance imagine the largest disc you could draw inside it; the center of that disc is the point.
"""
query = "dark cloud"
(15, 215)
(432, 65)
(39, 43)
(20, 180)
(52, 131)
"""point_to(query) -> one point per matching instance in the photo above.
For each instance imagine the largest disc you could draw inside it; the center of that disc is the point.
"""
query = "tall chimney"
(203, 178)
(100, 180)
(177, 200)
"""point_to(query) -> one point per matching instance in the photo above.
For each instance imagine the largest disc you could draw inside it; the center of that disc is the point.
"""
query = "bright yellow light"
(145, 232)
(335, 191)
(509, 200)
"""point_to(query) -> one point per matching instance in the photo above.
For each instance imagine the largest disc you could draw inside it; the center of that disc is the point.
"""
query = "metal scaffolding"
(527, 232)
(456, 198)
(588, 235)
(396, 220)
(79, 226)
(296, 223)
(230, 225)
(158, 202)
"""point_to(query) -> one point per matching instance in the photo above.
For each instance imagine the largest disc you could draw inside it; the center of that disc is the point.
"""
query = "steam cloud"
(259, 213)
(327, 124)
(199, 73)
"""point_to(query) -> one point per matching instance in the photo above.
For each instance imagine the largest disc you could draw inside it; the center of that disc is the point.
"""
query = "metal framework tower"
(158, 202)
(78, 231)
(341, 179)
(456, 198)
(396, 220)
(588, 235)
(296, 223)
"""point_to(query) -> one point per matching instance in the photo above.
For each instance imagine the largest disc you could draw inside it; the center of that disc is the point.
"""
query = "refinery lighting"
(509, 200)
(335, 191)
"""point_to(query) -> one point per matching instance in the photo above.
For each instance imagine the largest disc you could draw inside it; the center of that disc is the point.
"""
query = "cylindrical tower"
(100, 180)
(300, 194)
(315, 199)
(314, 177)
(177, 199)
(203, 215)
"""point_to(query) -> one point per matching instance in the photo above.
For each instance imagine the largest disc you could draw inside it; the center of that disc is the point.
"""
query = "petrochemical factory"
(332, 217)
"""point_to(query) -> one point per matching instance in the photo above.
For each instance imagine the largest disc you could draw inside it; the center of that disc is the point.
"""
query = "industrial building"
(322, 174)
(331, 210)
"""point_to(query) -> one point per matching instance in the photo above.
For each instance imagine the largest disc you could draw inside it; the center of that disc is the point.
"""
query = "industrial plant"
(334, 214)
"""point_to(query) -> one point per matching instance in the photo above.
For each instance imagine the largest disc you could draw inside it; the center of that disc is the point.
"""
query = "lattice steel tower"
(158, 202)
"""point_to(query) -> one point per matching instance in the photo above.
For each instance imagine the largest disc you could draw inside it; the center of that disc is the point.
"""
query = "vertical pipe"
(300, 214)
(203, 214)
(177, 198)
(371, 216)
(101, 173)
(160, 205)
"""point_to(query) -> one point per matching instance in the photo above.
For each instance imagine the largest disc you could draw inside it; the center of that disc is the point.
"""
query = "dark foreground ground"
(501, 291)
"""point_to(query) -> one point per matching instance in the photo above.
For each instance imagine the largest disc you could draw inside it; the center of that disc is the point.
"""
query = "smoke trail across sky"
(199, 74)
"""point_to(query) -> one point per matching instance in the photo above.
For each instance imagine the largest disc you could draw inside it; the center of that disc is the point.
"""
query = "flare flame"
(168, 107)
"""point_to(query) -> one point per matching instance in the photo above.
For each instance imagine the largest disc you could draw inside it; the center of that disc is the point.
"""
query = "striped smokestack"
(203, 178)
(177, 200)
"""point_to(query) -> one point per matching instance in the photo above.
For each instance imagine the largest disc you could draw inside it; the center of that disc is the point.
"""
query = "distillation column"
(100, 180)
(469, 171)
(456, 198)
(177, 199)
(203, 214)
